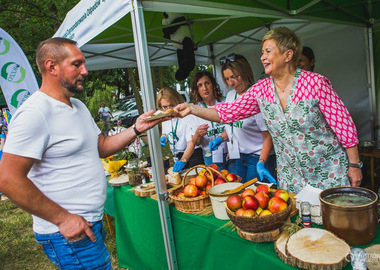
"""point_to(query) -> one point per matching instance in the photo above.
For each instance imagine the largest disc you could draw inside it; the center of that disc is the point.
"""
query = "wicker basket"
(191, 205)
(263, 223)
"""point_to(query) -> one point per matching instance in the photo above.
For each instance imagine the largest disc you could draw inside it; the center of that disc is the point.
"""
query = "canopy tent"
(213, 22)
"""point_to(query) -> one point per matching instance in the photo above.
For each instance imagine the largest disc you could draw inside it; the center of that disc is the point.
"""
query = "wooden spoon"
(239, 188)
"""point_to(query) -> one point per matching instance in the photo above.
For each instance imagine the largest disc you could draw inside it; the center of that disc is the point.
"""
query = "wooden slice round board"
(373, 257)
(260, 237)
(122, 180)
(313, 248)
(280, 246)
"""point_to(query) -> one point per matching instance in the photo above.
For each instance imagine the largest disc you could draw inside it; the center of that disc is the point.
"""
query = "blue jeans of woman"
(82, 254)
(246, 167)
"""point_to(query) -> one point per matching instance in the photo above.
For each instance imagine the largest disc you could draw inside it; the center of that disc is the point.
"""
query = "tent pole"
(143, 64)
(371, 87)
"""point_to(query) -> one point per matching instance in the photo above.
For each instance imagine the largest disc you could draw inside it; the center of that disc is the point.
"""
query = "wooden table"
(374, 154)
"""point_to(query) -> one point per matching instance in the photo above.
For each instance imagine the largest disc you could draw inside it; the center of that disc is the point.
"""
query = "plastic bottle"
(306, 214)
(358, 259)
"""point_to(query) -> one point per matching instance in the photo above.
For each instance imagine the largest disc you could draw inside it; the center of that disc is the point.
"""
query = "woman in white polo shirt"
(248, 140)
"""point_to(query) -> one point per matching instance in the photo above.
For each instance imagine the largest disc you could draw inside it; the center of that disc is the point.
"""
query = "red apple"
(208, 175)
(202, 193)
(263, 189)
(190, 190)
(247, 191)
(231, 177)
(276, 204)
(250, 202)
(192, 180)
(208, 187)
(281, 193)
(201, 181)
(263, 199)
(219, 181)
(224, 172)
(214, 166)
(234, 202)
(239, 212)
(249, 213)
(181, 195)
(265, 213)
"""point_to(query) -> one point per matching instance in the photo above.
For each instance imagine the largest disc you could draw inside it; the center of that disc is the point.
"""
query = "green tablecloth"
(201, 242)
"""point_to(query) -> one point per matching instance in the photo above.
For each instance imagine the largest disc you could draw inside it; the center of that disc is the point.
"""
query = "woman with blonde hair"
(314, 136)
(177, 132)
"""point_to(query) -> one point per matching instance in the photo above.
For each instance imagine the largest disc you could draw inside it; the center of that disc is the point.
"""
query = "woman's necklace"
(283, 89)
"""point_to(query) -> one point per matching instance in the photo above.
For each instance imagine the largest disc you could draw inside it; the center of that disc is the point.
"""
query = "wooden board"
(145, 190)
(317, 249)
(122, 180)
(373, 257)
(260, 237)
(280, 246)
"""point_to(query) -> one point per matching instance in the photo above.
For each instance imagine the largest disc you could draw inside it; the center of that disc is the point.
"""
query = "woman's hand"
(182, 109)
(355, 175)
(202, 130)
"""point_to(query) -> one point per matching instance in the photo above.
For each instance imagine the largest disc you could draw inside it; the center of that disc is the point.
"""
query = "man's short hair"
(54, 48)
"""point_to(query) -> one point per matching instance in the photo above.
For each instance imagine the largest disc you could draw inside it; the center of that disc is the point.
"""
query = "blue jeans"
(82, 254)
(225, 165)
(246, 167)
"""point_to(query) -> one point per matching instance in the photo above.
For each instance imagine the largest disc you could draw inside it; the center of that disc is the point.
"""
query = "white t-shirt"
(64, 142)
(104, 111)
(248, 132)
(214, 130)
(179, 128)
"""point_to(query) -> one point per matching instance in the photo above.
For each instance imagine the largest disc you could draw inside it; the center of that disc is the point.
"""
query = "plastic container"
(218, 199)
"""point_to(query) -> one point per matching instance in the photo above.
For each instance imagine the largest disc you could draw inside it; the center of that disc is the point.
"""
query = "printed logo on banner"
(4, 46)
(19, 97)
(13, 72)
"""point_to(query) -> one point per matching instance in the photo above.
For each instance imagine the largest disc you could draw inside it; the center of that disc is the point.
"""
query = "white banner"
(91, 17)
(17, 79)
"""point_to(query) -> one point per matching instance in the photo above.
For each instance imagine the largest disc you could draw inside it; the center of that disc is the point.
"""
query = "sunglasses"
(230, 58)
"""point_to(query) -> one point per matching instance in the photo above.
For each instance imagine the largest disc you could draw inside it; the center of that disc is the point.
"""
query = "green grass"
(18, 247)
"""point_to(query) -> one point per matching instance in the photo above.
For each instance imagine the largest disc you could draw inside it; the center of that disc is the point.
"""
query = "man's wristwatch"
(356, 165)
(138, 133)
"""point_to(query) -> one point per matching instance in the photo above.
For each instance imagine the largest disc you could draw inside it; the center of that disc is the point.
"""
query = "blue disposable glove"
(179, 165)
(264, 172)
(215, 143)
(163, 141)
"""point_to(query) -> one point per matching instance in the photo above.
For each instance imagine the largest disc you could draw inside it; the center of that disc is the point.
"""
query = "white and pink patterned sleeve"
(336, 114)
(241, 108)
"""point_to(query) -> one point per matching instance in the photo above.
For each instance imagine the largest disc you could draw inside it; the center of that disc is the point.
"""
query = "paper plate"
(158, 116)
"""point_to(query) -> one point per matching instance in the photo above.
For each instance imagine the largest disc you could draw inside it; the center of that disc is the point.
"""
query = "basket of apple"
(193, 196)
(259, 211)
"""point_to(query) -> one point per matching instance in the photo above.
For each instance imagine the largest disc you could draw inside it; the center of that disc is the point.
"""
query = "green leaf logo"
(4, 46)
(19, 97)
(13, 72)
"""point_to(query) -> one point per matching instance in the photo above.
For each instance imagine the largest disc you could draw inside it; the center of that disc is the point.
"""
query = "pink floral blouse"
(309, 137)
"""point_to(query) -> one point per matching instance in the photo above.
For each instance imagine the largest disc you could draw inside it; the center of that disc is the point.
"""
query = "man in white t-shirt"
(51, 167)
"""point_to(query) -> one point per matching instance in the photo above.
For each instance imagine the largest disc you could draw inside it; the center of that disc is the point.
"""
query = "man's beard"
(73, 88)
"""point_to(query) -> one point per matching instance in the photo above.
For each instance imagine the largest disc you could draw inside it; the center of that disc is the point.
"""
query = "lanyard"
(174, 133)
(212, 123)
